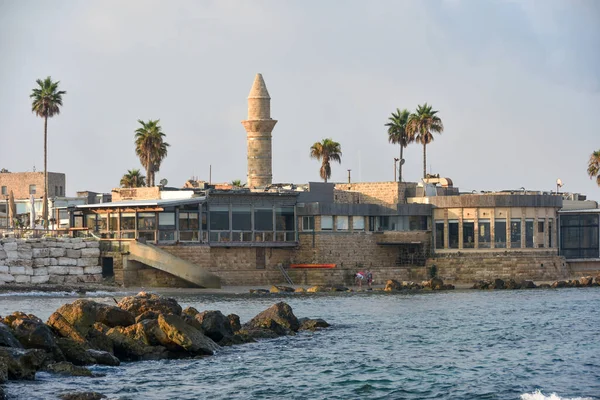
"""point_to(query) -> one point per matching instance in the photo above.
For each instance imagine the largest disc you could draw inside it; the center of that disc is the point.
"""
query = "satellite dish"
(163, 182)
(402, 161)
(559, 182)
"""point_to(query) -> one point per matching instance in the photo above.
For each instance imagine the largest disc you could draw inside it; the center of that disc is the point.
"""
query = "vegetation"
(327, 150)
(594, 166)
(132, 179)
(421, 126)
(397, 133)
(150, 147)
(46, 103)
(236, 183)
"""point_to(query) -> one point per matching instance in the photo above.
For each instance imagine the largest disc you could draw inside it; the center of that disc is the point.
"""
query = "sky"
(516, 84)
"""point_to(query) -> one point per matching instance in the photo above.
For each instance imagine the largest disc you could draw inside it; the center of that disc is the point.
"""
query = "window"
(540, 234)
(500, 233)
(284, 219)
(383, 223)
(127, 221)
(453, 234)
(372, 223)
(31, 189)
(166, 220)
(418, 223)
(439, 234)
(528, 233)
(56, 190)
(326, 222)
(62, 193)
(188, 226)
(219, 218)
(308, 223)
(4, 190)
(579, 236)
(468, 234)
(90, 222)
(341, 223)
(550, 242)
(484, 234)
(146, 221)
(515, 233)
(241, 218)
(358, 223)
(263, 219)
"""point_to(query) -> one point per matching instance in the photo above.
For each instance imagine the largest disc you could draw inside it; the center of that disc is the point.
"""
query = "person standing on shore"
(358, 278)
(369, 278)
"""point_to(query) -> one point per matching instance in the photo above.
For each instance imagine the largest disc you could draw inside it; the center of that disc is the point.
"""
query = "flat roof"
(582, 211)
(146, 203)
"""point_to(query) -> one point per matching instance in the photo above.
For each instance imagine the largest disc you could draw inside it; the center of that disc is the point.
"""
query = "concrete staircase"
(157, 258)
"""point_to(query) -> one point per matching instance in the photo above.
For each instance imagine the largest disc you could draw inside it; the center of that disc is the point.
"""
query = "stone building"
(25, 184)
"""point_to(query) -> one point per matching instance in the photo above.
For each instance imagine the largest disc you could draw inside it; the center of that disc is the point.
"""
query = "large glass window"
(166, 220)
(219, 218)
(453, 234)
(500, 233)
(515, 233)
(90, 222)
(241, 218)
(540, 234)
(528, 233)
(308, 223)
(113, 222)
(383, 223)
(188, 226)
(326, 222)
(485, 237)
(127, 221)
(579, 236)
(468, 234)
(263, 219)
(341, 223)
(284, 219)
(358, 223)
(439, 234)
(417, 223)
(146, 221)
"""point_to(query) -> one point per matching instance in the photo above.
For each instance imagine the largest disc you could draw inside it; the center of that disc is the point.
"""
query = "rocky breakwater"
(431, 284)
(49, 260)
(141, 327)
(511, 284)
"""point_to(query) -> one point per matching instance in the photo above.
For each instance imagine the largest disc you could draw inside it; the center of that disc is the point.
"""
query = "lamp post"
(395, 167)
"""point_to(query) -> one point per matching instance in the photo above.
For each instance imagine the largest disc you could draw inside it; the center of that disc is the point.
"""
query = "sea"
(541, 344)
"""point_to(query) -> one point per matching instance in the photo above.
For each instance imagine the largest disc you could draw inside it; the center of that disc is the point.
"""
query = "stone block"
(80, 245)
(7, 278)
(28, 271)
(2, 253)
(23, 246)
(76, 240)
(56, 279)
(75, 270)
(90, 244)
(12, 254)
(64, 245)
(58, 252)
(40, 253)
(22, 279)
(71, 253)
(67, 261)
(4, 269)
(40, 271)
(10, 246)
(18, 262)
(93, 252)
(98, 277)
(17, 270)
(92, 270)
(87, 262)
(73, 278)
(58, 270)
(40, 279)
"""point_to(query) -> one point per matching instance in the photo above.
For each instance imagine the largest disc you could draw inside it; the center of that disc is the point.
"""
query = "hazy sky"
(516, 83)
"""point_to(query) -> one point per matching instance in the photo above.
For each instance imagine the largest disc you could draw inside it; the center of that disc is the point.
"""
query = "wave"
(99, 293)
(538, 395)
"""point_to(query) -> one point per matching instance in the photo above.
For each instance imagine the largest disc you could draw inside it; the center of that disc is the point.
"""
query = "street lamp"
(395, 167)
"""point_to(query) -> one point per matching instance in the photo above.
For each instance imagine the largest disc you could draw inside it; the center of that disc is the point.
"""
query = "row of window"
(58, 190)
(501, 236)
(381, 223)
(579, 236)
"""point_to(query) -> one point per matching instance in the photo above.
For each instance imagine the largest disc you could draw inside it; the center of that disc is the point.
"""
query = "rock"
(83, 314)
(129, 345)
(214, 324)
(82, 396)
(63, 328)
(274, 318)
(7, 339)
(6, 278)
(33, 333)
(21, 363)
(308, 324)
(40, 279)
(392, 285)
(259, 291)
(185, 335)
(143, 302)
(498, 284)
(300, 290)
(559, 284)
(586, 280)
(58, 270)
(511, 284)
(436, 284)
(448, 286)
(90, 252)
(103, 357)
(74, 352)
(22, 278)
(544, 286)
(97, 338)
(527, 285)
(66, 368)
(573, 283)
(281, 289)
(234, 321)
(482, 285)
(146, 315)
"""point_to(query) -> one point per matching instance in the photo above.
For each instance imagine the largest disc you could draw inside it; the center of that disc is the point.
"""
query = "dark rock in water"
(559, 284)
(146, 315)
(308, 324)
(544, 286)
(251, 334)
(142, 302)
(436, 284)
(392, 285)
(83, 314)
(338, 288)
(130, 345)
(67, 368)
(3, 371)
(82, 396)
(586, 280)
(7, 339)
(511, 284)
(75, 352)
(63, 328)
(234, 321)
(259, 291)
(33, 334)
(448, 286)
(274, 318)
(482, 285)
(498, 284)
(214, 324)
(103, 358)
(97, 338)
(186, 336)
(573, 283)
(527, 285)
(22, 363)
(281, 289)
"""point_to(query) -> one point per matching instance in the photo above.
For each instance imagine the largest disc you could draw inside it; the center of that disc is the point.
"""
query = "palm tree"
(326, 150)
(421, 126)
(46, 103)
(150, 147)
(236, 183)
(397, 134)
(594, 166)
(132, 179)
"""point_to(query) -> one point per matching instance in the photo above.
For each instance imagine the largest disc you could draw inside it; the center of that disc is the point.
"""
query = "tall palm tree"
(594, 166)
(46, 103)
(150, 147)
(397, 134)
(325, 151)
(421, 126)
(236, 183)
(132, 179)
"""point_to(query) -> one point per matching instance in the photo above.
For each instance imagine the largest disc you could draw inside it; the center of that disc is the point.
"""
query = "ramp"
(156, 258)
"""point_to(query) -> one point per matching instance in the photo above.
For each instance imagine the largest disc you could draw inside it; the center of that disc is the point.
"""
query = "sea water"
(531, 344)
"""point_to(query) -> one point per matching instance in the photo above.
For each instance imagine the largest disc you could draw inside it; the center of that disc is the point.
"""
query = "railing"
(40, 233)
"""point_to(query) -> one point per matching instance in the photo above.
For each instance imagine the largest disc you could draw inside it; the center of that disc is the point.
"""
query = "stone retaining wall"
(49, 260)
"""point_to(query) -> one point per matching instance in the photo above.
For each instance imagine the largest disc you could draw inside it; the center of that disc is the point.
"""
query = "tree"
(325, 151)
(150, 147)
(46, 103)
(236, 183)
(132, 179)
(397, 134)
(594, 166)
(421, 126)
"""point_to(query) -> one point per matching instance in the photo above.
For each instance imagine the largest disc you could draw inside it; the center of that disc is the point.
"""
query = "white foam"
(37, 294)
(538, 395)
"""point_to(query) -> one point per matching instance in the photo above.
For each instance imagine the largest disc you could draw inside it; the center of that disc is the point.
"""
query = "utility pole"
(395, 163)
(349, 175)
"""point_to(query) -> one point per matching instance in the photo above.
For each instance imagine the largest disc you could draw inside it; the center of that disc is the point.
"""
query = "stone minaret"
(259, 126)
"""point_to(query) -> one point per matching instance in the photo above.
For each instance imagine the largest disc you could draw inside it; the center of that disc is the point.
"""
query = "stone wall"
(383, 193)
(49, 260)
(19, 183)
(141, 193)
